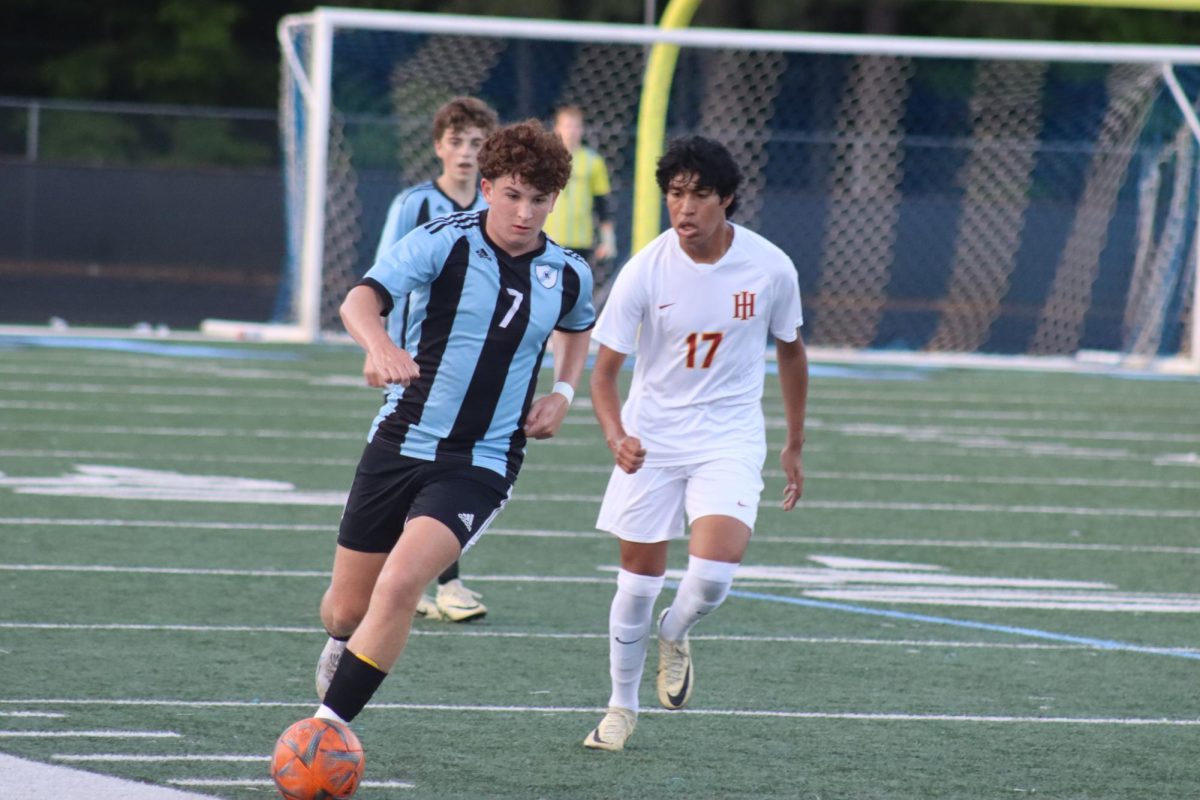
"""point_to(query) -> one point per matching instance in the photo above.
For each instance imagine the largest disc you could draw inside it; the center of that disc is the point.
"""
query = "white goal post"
(937, 195)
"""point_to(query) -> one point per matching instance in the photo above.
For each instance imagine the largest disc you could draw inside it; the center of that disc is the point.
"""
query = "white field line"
(605, 469)
(33, 780)
(961, 448)
(128, 758)
(974, 544)
(227, 433)
(469, 634)
(350, 387)
(961, 508)
(337, 498)
(344, 395)
(32, 714)
(99, 734)
(337, 412)
(867, 716)
(260, 783)
(166, 524)
(914, 432)
(931, 431)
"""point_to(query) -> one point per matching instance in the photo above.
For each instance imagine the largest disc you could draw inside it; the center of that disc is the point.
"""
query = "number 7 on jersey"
(695, 341)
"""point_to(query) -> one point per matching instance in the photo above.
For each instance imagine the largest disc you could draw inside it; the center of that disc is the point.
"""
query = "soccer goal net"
(935, 195)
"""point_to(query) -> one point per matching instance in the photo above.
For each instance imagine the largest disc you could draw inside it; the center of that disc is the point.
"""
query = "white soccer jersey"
(700, 333)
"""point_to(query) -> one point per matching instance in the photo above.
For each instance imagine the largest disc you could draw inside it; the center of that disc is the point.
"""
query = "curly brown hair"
(460, 113)
(528, 152)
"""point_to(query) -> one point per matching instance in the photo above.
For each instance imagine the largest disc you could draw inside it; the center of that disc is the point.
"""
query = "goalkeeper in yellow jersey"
(582, 219)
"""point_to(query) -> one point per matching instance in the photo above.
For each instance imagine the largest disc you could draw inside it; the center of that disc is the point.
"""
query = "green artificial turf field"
(990, 590)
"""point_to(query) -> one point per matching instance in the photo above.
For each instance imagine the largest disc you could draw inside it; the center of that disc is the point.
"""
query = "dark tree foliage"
(223, 52)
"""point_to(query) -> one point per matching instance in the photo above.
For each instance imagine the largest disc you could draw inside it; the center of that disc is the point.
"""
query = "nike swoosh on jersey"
(665, 305)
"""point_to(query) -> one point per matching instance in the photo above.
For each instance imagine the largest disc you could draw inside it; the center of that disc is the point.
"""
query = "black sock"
(353, 685)
(450, 574)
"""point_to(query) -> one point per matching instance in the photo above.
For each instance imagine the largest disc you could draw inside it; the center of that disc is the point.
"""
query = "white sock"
(325, 712)
(702, 590)
(629, 622)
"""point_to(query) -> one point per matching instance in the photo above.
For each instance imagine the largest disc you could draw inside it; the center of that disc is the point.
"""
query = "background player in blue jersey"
(486, 291)
(460, 127)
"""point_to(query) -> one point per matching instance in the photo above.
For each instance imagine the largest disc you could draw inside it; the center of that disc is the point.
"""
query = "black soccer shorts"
(389, 489)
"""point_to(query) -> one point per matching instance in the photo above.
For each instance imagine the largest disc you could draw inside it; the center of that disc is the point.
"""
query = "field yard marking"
(713, 712)
(107, 568)
(261, 783)
(537, 533)
(31, 780)
(99, 734)
(911, 432)
(337, 413)
(165, 523)
(1100, 644)
(126, 757)
(605, 469)
(149, 485)
(458, 633)
(33, 714)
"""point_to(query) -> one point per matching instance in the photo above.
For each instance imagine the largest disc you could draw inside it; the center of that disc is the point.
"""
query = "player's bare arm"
(547, 413)
(606, 402)
(792, 359)
(360, 313)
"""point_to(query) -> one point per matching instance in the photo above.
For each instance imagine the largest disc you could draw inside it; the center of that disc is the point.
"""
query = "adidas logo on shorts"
(468, 520)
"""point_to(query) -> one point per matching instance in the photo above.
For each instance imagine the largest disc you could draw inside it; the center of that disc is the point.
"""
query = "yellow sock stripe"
(363, 658)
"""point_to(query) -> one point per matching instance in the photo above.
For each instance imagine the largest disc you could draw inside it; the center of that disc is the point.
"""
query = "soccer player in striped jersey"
(698, 305)
(486, 291)
(460, 127)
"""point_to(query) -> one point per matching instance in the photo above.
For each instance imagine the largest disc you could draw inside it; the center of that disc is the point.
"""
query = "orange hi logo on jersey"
(743, 305)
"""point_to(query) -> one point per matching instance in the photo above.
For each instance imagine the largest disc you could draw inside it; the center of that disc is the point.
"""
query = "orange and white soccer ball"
(317, 759)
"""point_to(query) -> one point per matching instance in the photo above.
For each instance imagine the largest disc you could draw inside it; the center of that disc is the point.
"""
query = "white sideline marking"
(885, 411)
(109, 734)
(959, 449)
(255, 783)
(916, 432)
(561, 534)
(316, 631)
(983, 598)
(126, 757)
(749, 713)
(30, 780)
(225, 433)
(33, 714)
(605, 469)
(161, 523)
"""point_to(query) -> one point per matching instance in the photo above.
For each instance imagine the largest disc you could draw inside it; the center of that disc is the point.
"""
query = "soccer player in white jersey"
(459, 129)
(697, 305)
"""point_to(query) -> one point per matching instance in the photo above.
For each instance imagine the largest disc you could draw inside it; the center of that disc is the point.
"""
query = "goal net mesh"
(929, 204)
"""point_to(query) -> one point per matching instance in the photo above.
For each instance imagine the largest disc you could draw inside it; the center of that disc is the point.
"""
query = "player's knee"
(398, 593)
(342, 614)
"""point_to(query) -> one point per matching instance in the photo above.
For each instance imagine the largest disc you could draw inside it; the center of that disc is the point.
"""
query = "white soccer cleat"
(457, 603)
(427, 608)
(327, 664)
(614, 729)
(675, 676)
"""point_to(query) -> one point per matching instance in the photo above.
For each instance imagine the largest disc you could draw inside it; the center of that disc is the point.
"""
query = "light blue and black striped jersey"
(410, 209)
(478, 323)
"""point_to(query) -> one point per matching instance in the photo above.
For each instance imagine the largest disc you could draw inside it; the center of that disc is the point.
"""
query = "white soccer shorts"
(649, 505)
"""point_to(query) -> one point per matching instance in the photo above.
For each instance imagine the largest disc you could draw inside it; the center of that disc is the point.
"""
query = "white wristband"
(565, 389)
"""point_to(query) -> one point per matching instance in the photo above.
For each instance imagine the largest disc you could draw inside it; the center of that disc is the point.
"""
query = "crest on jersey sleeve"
(547, 275)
